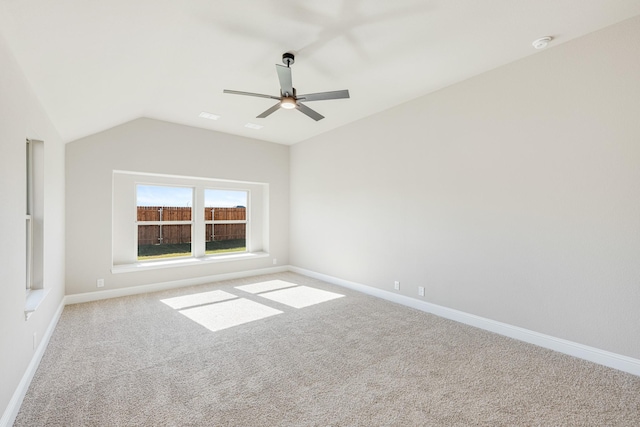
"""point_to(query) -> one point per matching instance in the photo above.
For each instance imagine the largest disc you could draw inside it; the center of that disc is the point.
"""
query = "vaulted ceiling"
(96, 64)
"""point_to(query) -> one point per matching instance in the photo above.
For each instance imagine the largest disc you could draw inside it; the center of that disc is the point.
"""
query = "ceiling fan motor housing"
(288, 59)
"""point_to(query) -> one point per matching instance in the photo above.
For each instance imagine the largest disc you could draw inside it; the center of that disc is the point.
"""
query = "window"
(165, 224)
(29, 208)
(34, 226)
(34, 210)
(225, 218)
(165, 220)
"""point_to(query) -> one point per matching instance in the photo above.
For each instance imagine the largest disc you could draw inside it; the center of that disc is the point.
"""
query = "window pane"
(29, 252)
(225, 205)
(226, 238)
(164, 205)
(225, 199)
(176, 241)
(156, 195)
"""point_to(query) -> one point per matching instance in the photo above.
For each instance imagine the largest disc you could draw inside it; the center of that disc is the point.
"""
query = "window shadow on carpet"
(218, 310)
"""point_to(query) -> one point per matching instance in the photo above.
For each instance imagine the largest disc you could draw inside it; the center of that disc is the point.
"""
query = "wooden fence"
(181, 233)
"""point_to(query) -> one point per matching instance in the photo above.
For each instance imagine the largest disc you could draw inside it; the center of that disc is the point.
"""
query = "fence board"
(150, 234)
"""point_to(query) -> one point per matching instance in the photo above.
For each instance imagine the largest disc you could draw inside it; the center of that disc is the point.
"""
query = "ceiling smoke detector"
(541, 43)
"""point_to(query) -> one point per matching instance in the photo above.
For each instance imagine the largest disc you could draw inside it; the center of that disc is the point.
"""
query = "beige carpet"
(294, 351)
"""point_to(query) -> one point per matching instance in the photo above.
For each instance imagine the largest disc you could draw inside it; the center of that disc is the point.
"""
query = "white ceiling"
(97, 64)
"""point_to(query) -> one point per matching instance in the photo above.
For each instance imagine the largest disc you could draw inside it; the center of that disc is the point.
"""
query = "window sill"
(183, 262)
(33, 301)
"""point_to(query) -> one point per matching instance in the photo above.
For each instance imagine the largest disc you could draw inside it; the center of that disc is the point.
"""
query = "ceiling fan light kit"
(288, 98)
(288, 102)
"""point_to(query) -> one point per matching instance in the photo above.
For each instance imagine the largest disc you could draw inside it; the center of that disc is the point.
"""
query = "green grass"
(150, 252)
(221, 251)
(223, 246)
(147, 252)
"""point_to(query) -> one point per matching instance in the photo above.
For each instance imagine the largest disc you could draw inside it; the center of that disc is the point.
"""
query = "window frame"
(161, 222)
(28, 218)
(124, 229)
(35, 290)
(213, 221)
(34, 215)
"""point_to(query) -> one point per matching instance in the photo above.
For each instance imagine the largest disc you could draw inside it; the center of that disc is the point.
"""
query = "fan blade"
(284, 75)
(269, 111)
(309, 112)
(322, 96)
(259, 95)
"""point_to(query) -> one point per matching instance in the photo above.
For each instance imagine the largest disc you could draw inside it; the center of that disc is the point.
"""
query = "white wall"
(151, 146)
(514, 195)
(21, 117)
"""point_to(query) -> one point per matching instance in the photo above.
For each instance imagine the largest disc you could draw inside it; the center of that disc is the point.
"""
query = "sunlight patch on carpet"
(227, 314)
(201, 298)
(270, 285)
(301, 296)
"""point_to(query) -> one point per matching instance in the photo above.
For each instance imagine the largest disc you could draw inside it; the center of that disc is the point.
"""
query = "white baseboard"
(11, 412)
(592, 354)
(154, 287)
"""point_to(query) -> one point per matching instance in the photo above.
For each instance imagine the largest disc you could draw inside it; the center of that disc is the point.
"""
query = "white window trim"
(35, 292)
(186, 261)
(29, 219)
(256, 230)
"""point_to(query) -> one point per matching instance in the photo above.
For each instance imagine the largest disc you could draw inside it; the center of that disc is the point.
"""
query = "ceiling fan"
(288, 98)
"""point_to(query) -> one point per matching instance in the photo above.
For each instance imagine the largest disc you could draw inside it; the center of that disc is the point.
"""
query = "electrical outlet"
(396, 285)
(275, 261)
(421, 291)
(100, 283)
